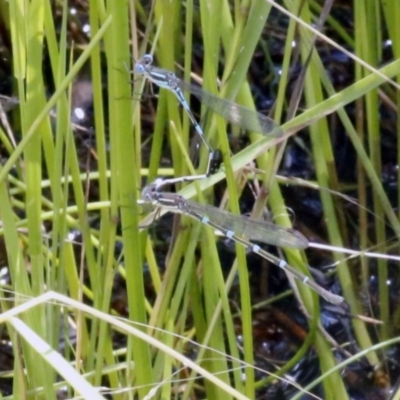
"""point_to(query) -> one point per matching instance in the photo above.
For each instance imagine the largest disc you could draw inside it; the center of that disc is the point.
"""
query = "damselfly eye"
(139, 69)
(148, 59)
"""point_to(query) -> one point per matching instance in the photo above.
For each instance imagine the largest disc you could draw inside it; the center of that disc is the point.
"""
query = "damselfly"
(248, 119)
(8, 103)
(238, 228)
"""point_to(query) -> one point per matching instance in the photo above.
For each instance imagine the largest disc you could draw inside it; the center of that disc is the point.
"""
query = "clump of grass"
(43, 180)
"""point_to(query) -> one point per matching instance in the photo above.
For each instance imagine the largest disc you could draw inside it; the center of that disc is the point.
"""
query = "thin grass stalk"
(351, 291)
(74, 291)
(363, 37)
(231, 28)
(338, 28)
(361, 174)
(153, 268)
(186, 246)
(167, 16)
(188, 49)
(100, 267)
(168, 364)
(241, 41)
(117, 379)
(158, 139)
(87, 247)
(343, 271)
(212, 281)
(31, 84)
(54, 45)
(19, 276)
(245, 295)
(58, 162)
(211, 331)
(207, 328)
(223, 306)
(217, 336)
(178, 270)
(392, 16)
(169, 283)
(241, 266)
(206, 331)
(210, 19)
(35, 99)
(125, 185)
(104, 263)
(326, 175)
(99, 121)
(270, 164)
(285, 71)
(211, 15)
(241, 52)
(19, 388)
(134, 30)
(369, 43)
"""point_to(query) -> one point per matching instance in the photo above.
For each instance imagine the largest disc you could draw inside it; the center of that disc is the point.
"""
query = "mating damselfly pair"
(237, 228)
